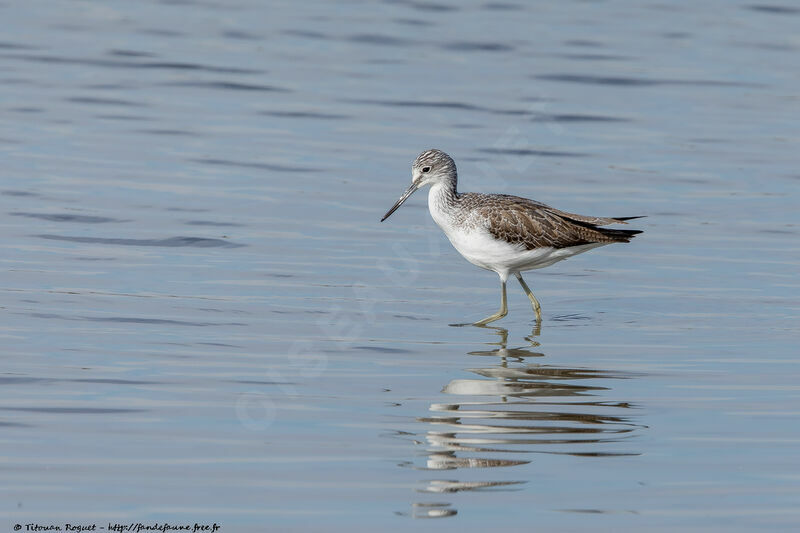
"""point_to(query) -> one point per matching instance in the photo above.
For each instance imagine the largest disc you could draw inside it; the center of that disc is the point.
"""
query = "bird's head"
(431, 167)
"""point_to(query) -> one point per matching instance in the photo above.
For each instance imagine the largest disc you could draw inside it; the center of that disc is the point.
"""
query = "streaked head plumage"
(432, 166)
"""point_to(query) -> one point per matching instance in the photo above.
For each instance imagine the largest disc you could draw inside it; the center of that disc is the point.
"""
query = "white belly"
(480, 248)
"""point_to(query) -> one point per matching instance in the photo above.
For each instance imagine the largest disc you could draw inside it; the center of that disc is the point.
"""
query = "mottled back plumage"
(532, 224)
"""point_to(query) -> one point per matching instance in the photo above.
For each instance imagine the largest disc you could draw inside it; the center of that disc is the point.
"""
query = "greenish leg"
(534, 302)
(503, 308)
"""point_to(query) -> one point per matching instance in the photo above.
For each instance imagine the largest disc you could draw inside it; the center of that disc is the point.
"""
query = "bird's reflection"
(515, 407)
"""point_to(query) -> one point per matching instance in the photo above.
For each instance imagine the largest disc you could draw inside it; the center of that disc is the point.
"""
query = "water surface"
(204, 321)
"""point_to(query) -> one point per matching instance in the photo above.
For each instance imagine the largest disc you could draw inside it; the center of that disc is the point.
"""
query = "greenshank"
(503, 233)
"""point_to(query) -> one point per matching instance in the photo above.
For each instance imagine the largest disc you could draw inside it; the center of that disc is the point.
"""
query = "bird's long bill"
(414, 186)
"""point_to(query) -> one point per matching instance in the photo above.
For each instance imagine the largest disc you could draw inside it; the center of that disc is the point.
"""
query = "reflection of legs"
(503, 307)
(534, 302)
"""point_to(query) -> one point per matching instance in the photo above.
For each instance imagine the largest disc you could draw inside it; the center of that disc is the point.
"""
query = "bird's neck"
(442, 197)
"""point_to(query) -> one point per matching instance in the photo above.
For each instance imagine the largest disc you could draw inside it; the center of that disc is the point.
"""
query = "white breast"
(479, 247)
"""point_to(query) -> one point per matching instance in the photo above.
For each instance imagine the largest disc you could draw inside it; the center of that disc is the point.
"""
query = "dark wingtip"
(620, 235)
(630, 218)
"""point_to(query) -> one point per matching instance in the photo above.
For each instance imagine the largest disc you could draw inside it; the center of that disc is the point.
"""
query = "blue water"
(204, 321)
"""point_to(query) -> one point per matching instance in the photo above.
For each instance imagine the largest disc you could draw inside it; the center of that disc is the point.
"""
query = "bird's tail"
(619, 235)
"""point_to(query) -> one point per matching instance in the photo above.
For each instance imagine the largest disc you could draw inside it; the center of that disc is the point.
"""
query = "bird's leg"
(503, 307)
(534, 302)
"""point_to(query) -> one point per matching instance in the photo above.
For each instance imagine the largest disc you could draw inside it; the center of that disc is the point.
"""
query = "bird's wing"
(532, 224)
(595, 221)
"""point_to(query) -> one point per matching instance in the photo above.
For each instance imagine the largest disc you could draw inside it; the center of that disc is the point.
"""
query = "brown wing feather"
(594, 221)
(532, 224)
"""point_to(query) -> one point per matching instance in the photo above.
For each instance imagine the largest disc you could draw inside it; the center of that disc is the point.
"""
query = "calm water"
(204, 321)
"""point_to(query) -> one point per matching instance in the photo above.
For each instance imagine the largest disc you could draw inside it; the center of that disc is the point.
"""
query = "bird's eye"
(426, 169)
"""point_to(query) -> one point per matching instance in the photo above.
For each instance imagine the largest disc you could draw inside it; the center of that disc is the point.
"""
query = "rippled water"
(204, 321)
